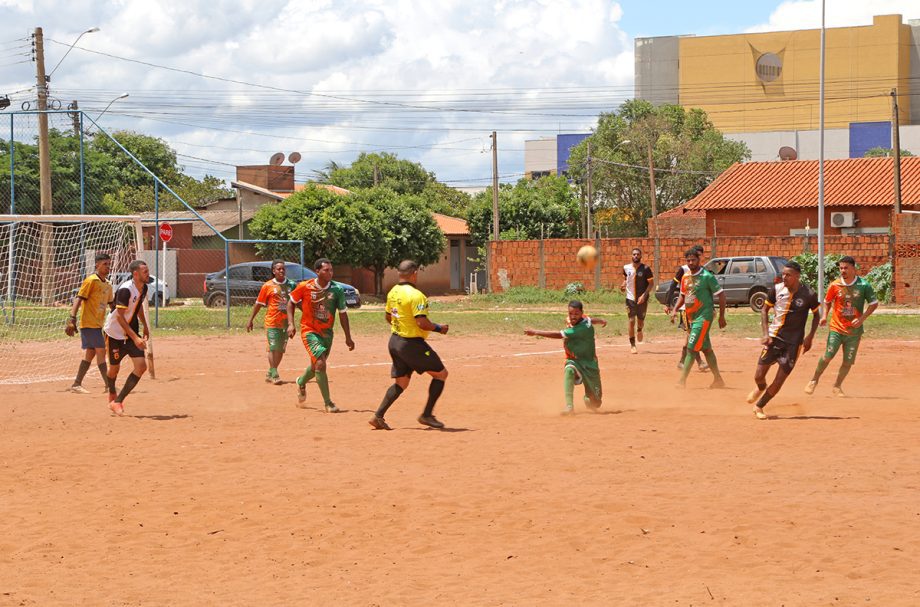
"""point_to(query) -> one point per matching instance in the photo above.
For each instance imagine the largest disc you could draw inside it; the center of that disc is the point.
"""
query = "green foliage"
(401, 176)
(445, 200)
(374, 228)
(574, 288)
(809, 263)
(527, 209)
(881, 279)
(681, 140)
(880, 152)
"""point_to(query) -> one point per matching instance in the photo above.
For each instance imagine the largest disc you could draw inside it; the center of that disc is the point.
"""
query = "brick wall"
(518, 263)
(907, 259)
(679, 226)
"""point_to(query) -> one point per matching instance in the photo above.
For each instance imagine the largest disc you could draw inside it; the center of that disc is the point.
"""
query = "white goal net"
(43, 261)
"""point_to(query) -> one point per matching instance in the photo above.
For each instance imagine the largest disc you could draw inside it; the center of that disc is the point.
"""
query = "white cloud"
(806, 14)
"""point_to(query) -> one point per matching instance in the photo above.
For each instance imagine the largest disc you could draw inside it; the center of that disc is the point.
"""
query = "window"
(294, 271)
(717, 266)
(761, 267)
(742, 266)
(261, 273)
(240, 273)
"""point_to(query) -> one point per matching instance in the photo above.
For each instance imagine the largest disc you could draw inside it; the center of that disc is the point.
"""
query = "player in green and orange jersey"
(274, 297)
(319, 299)
(697, 289)
(846, 297)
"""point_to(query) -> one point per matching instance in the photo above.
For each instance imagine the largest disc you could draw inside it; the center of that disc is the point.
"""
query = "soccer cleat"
(810, 388)
(268, 378)
(78, 389)
(702, 367)
(838, 392)
(591, 405)
(754, 395)
(758, 412)
(117, 408)
(568, 410)
(301, 395)
(331, 408)
(379, 423)
(717, 383)
(680, 366)
(633, 349)
(277, 380)
(112, 396)
(430, 420)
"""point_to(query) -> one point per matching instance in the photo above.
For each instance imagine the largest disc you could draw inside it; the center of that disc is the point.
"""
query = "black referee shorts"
(412, 354)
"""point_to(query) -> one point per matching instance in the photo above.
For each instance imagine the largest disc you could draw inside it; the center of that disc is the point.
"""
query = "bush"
(574, 288)
(880, 278)
(809, 263)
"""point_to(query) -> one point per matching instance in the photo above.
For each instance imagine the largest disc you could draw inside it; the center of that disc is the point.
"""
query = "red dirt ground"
(218, 490)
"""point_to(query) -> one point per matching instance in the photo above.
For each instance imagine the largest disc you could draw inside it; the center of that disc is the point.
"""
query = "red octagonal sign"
(166, 232)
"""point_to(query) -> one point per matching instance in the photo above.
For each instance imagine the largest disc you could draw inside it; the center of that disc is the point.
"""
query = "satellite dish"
(787, 153)
(294, 157)
(276, 159)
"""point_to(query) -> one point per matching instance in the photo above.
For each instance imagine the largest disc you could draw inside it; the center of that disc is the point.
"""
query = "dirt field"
(218, 490)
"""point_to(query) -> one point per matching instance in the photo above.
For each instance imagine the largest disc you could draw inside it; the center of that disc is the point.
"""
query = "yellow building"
(769, 81)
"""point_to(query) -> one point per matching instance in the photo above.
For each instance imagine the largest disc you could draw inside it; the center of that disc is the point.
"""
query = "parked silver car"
(746, 280)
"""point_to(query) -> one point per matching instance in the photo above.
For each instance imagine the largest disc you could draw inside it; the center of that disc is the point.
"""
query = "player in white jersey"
(122, 334)
(638, 283)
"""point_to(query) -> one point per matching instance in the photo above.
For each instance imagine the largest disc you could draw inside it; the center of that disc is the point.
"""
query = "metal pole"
(821, 163)
(11, 266)
(896, 149)
(227, 278)
(82, 170)
(156, 258)
(301, 254)
(495, 228)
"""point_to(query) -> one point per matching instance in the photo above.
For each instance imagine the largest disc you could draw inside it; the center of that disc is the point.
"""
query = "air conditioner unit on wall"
(843, 219)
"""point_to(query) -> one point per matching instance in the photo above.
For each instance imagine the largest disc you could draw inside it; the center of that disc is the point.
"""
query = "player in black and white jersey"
(637, 284)
(673, 290)
(784, 338)
(122, 334)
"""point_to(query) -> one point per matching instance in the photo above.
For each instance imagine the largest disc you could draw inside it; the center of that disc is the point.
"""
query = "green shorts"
(699, 335)
(277, 339)
(850, 345)
(317, 346)
(590, 377)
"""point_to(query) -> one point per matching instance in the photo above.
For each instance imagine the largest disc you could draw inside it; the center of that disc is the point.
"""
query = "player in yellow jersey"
(407, 315)
(96, 298)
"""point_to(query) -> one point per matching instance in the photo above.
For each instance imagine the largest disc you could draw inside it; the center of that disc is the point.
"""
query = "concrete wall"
(765, 145)
(657, 69)
(540, 155)
(913, 102)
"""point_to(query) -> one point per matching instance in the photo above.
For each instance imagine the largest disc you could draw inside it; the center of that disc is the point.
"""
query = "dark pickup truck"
(745, 280)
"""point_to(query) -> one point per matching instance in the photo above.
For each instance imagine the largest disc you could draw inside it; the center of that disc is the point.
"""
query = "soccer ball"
(587, 256)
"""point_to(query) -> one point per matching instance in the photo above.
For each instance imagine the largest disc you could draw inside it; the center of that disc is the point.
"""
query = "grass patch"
(534, 295)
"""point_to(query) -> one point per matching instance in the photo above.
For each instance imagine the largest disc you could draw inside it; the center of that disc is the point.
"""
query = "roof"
(794, 184)
(682, 211)
(282, 195)
(452, 226)
(222, 220)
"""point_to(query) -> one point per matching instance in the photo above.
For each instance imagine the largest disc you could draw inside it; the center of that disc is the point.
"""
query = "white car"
(162, 289)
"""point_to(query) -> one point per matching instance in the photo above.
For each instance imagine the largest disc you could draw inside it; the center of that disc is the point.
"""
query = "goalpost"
(43, 261)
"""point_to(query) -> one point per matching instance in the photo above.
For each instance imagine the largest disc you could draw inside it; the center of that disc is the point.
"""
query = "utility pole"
(896, 149)
(495, 228)
(44, 154)
(75, 117)
(590, 223)
(654, 199)
(376, 175)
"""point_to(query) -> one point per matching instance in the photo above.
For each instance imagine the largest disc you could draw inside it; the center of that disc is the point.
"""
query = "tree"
(880, 152)
(687, 152)
(546, 207)
(445, 200)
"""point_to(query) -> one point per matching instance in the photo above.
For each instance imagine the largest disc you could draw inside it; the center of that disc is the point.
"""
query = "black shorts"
(412, 354)
(118, 349)
(634, 309)
(781, 352)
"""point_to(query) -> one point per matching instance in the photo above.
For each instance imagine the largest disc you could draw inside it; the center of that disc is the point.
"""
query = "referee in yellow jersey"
(407, 314)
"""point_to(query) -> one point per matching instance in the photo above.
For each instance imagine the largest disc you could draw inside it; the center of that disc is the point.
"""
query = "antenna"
(294, 157)
(276, 159)
(787, 153)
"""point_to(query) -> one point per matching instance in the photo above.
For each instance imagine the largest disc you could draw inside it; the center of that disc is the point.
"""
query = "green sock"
(322, 380)
(688, 364)
(568, 383)
(713, 364)
(273, 372)
(307, 376)
(822, 365)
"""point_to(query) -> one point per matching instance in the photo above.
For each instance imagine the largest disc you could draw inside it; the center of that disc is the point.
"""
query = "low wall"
(907, 259)
(551, 264)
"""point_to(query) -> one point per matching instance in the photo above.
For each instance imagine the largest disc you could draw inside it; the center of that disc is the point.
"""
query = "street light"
(122, 96)
(92, 30)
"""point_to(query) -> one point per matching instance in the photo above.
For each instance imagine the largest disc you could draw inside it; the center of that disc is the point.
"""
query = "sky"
(227, 83)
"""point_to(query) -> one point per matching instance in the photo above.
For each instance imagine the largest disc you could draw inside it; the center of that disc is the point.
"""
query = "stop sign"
(166, 232)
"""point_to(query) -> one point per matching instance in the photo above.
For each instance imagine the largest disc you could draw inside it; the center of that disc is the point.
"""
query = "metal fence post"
(11, 268)
(156, 256)
(82, 171)
(227, 278)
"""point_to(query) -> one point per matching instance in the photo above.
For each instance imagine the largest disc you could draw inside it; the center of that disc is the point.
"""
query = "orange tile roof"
(794, 184)
(452, 226)
(682, 211)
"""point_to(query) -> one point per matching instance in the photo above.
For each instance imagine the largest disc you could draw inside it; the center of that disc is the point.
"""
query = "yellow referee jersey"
(404, 303)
